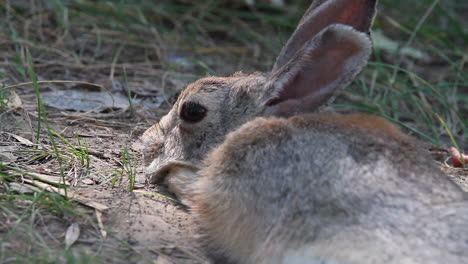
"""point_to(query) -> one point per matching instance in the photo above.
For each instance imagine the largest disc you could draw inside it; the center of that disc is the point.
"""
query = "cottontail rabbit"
(272, 183)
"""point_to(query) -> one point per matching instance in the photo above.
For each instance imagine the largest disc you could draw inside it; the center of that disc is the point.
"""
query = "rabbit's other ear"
(323, 65)
(358, 14)
(312, 7)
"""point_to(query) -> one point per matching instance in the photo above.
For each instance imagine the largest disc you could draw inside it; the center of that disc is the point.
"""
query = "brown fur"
(227, 196)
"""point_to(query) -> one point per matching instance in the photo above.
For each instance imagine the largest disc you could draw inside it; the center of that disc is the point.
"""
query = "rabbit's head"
(328, 49)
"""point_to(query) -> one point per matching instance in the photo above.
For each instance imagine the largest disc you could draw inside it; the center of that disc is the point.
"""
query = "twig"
(70, 194)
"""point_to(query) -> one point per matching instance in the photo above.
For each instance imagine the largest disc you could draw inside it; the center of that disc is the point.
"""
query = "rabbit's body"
(346, 199)
(272, 183)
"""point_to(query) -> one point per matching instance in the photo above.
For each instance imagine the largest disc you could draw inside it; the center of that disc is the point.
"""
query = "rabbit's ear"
(323, 65)
(312, 7)
(358, 14)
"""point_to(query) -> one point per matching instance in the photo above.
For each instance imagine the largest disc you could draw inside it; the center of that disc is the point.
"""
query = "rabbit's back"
(329, 187)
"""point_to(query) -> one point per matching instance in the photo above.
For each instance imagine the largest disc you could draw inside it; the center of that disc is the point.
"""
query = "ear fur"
(323, 65)
(312, 7)
(358, 14)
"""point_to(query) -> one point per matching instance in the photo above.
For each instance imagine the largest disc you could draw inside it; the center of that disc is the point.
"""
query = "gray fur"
(338, 200)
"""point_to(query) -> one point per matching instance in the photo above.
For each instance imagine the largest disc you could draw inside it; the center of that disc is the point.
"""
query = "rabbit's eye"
(192, 112)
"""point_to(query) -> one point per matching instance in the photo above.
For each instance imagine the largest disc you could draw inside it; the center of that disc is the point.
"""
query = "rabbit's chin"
(180, 182)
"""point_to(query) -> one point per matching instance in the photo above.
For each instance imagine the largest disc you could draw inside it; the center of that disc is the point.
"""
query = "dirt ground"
(149, 228)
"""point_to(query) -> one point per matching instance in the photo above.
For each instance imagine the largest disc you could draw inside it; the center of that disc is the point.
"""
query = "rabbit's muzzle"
(167, 156)
(177, 175)
(159, 172)
(162, 152)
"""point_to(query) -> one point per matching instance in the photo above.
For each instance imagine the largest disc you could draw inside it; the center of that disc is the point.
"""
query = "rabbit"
(271, 178)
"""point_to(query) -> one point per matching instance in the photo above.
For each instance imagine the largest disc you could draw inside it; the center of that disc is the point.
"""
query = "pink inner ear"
(355, 13)
(322, 66)
(326, 63)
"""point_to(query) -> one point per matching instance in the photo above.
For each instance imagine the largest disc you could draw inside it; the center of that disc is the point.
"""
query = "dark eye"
(192, 112)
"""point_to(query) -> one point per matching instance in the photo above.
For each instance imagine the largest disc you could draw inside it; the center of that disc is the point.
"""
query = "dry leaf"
(87, 181)
(72, 234)
(22, 140)
(85, 101)
(14, 101)
(6, 155)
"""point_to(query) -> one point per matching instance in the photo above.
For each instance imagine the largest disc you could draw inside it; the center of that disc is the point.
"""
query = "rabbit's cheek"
(152, 151)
